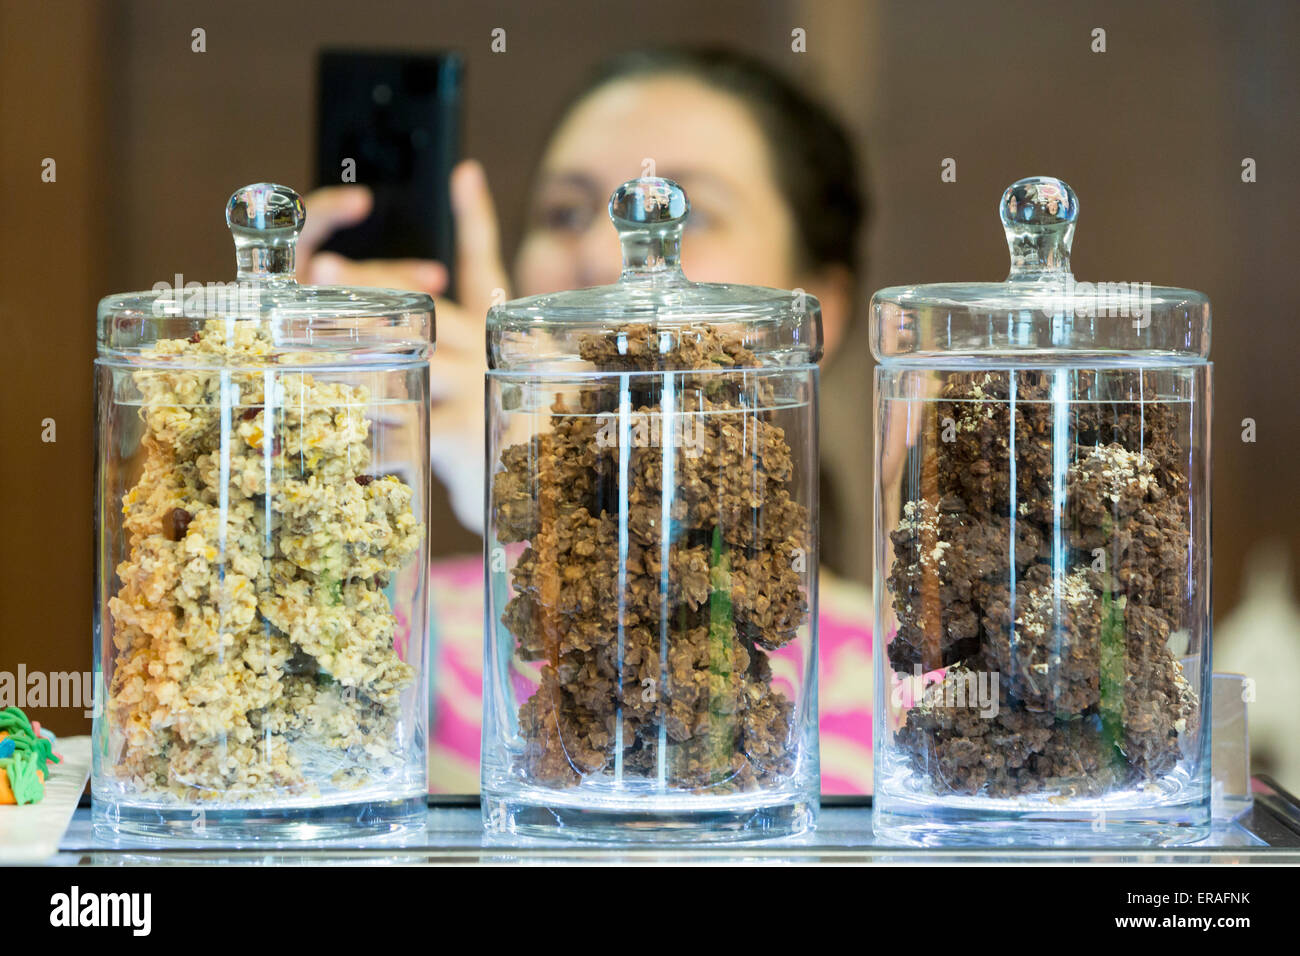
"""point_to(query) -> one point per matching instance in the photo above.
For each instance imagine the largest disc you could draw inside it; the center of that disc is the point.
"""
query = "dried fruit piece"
(175, 523)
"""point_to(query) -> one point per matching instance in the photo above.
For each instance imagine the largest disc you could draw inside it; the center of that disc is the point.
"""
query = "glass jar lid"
(546, 332)
(295, 323)
(1040, 314)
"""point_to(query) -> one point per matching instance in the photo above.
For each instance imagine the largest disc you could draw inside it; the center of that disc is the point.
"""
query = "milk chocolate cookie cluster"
(1073, 611)
(254, 644)
(664, 561)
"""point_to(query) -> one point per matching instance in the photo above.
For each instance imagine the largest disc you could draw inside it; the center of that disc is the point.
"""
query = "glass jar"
(651, 646)
(1042, 561)
(261, 604)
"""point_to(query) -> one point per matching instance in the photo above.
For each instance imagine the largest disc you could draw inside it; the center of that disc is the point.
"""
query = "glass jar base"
(240, 825)
(538, 817)
(1165, 827)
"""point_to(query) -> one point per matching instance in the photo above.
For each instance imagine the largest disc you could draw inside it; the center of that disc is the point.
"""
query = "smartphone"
(392, 122)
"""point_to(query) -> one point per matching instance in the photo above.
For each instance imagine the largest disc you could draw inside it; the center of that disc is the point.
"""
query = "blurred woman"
(775, 201)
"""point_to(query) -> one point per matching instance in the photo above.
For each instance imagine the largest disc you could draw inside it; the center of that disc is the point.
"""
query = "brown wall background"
(150, 139)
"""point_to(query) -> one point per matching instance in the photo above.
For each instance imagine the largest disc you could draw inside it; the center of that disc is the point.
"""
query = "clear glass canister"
(261, 506)
(651, 640)
(1042, 565)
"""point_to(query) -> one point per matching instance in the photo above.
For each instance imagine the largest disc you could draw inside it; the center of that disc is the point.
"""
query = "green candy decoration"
(31, 759)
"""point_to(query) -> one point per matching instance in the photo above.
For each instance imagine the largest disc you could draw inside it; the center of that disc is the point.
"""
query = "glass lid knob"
(265, 220)
(1038, 215)
(649, 215)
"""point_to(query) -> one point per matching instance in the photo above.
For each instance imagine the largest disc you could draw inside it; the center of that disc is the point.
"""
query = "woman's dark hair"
(816, 165)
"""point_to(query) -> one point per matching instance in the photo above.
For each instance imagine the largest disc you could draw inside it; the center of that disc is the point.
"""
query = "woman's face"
(740, 228)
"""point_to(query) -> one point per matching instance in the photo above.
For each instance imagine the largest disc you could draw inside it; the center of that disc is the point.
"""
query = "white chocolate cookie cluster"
(254, 642)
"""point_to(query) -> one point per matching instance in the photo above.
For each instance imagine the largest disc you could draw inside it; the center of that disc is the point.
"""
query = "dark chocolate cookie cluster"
(665, 558)
(1064, 578)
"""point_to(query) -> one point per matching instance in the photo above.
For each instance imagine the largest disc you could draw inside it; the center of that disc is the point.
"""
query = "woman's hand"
(456, 427)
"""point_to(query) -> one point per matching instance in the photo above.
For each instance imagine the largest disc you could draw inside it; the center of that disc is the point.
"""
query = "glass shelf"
(1267, 832)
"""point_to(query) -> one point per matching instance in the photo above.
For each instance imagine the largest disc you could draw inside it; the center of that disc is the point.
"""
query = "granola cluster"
(666, 556)
(1073, 611)
(254, 642)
